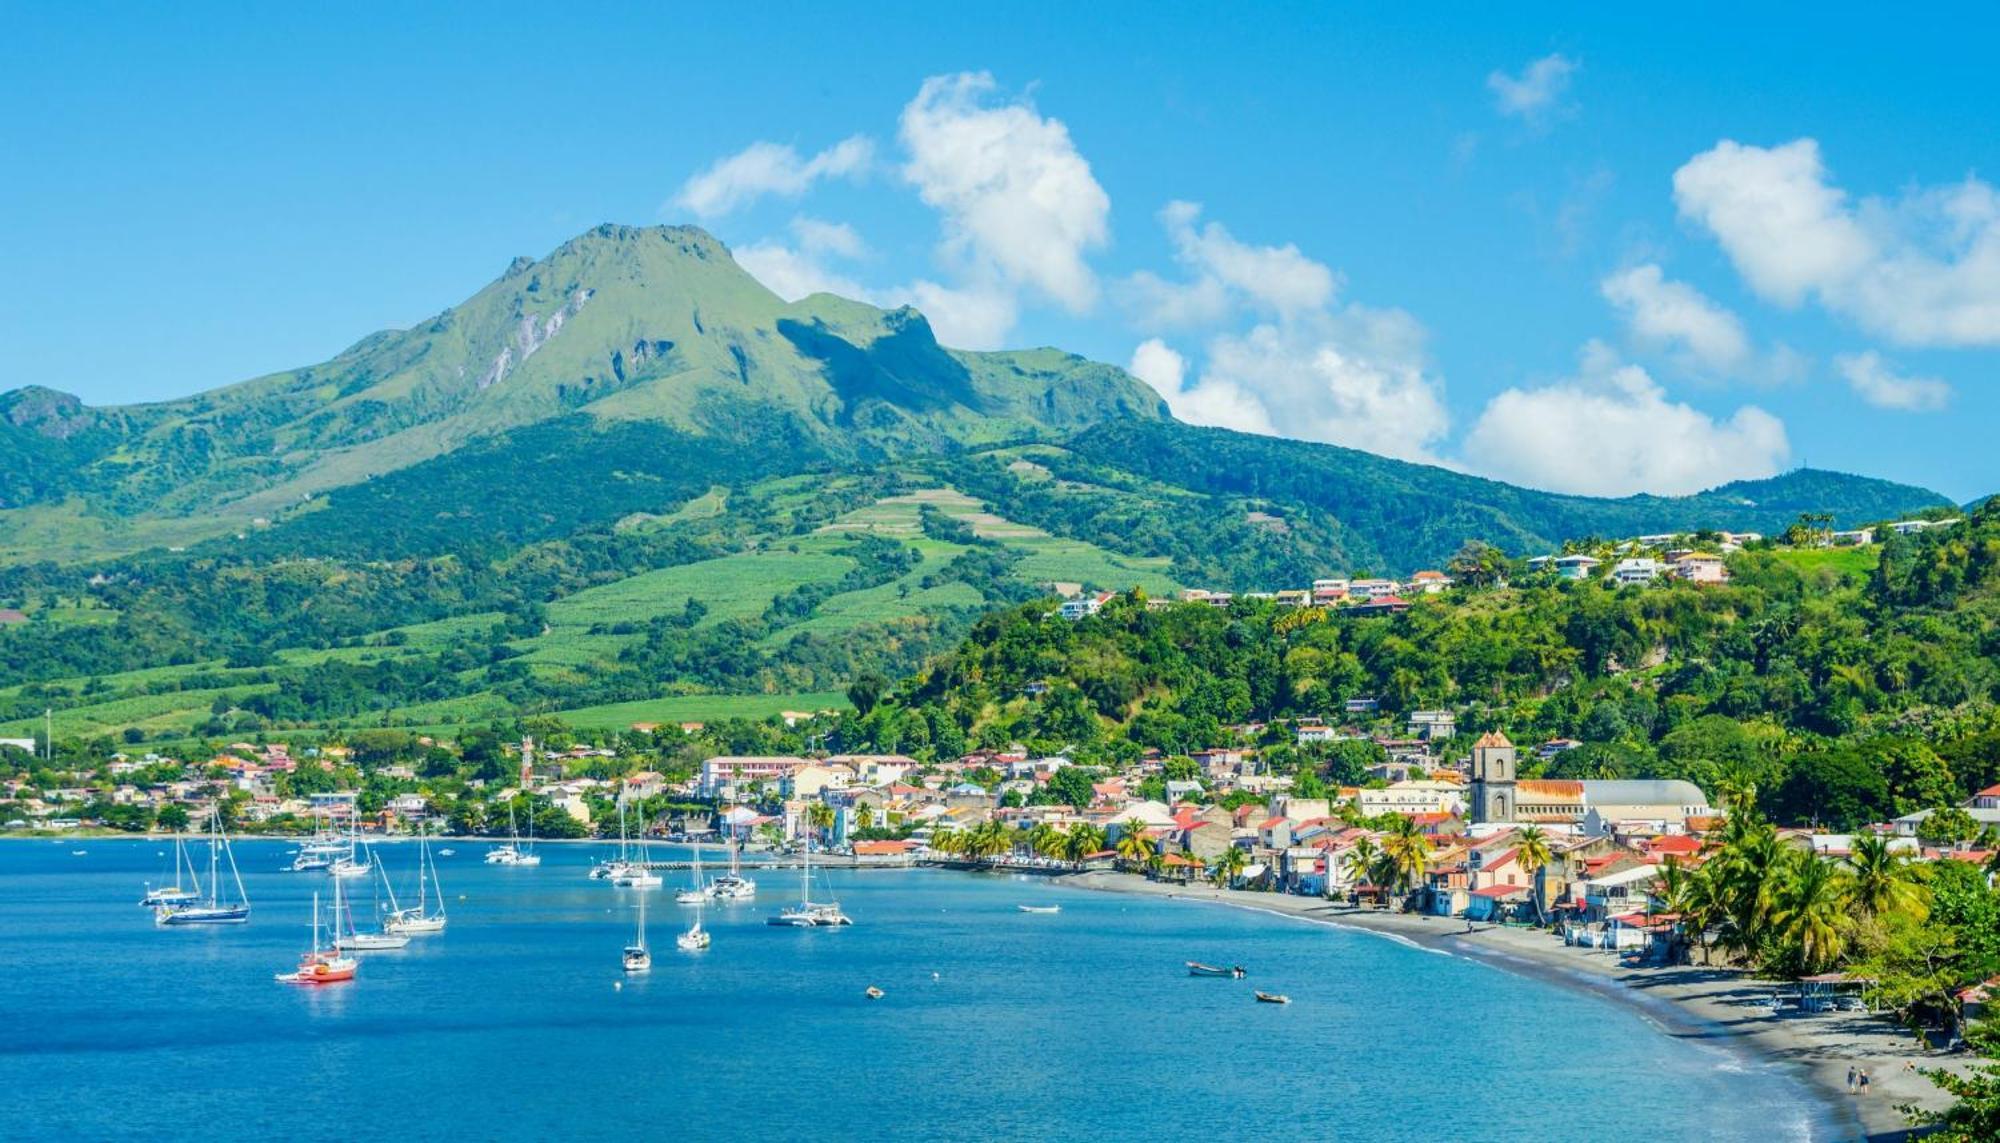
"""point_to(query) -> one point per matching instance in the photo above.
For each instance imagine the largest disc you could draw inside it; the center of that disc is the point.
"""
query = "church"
(1500, 796)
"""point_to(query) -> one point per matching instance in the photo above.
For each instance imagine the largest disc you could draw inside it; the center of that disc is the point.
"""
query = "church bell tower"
(1493, 773)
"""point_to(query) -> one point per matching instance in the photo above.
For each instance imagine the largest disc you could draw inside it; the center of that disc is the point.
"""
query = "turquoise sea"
(995, 1024)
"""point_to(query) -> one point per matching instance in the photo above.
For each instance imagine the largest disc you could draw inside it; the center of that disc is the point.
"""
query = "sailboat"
(215, 908)
(639, 958)
(696, 938)
(174, 894)
(808, 914)
(632, 874)
(351, 939)
(320, 850)
(357, 861)
(420, 918)
(612, 869)
(320, 965)
(696, 892)
(733, 886)
(515, 853)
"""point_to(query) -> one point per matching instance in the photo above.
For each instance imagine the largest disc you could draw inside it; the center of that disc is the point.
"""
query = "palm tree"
(1532, 854)
(1408, 852)
(1045, 840)
(1134, 847)
(1810, 911)
(1228, 866)
(1882, 884)
(948, 842)
(820, 817)
(1082, 840)
(1362, 861)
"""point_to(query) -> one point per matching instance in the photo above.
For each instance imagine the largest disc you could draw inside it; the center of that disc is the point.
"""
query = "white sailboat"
(809, 914)
(423, 917)
(177, 893)
(215, 908)
(639, 958)
(733, 886)
(610, 870)
(632, 872)
(514, 852)
(358, 860)
(696, 938)
(351, 939)
(696, 892)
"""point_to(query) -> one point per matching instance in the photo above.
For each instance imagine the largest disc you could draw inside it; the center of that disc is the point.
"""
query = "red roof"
(1989, 792)
(1674, 844)
(1496, 892)
(1271, 823)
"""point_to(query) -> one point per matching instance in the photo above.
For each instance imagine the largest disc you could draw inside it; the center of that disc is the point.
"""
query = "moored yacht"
(637, 957)
(423, 917)
(216, 908)
(733, 886)
(176, 893)
(320, 964)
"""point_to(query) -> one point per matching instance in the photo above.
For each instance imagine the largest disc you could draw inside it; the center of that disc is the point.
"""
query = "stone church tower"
(1493, 771)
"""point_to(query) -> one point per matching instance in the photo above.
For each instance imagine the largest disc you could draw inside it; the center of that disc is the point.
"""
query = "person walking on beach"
(1864, 1083)
(1851, 1076)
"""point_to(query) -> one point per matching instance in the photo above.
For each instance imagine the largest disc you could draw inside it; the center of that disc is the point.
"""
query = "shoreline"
(1686, 1002)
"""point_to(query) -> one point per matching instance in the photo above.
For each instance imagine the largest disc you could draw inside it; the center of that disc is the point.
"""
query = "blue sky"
(1598, 252)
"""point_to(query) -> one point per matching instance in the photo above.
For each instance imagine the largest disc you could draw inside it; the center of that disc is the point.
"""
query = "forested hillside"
(1844, 696)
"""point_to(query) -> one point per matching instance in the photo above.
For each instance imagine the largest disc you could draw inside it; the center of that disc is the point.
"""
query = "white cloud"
(1612, 431)
(1159, 365)
(1879, 385)
(1275, 279)
(1217, 402)
(1666, 314)
(794, 272)
(1020, 205)
(769, 168)
(1922, 269)
(977, 316)
(1534, 93)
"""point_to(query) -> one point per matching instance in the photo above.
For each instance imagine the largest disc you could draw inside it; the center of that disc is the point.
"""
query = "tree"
(1134, 847)
(1882, 883)
(1082, 840)
(1532, 854)
(173, 816)
(1363, 861)
(1947, 827)
(1837, 788)
(1810, 911)
(865, 691)
(1408, 852)
(1228, 866)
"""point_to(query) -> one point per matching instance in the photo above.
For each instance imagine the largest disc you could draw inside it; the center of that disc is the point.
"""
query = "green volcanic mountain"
(628, 475)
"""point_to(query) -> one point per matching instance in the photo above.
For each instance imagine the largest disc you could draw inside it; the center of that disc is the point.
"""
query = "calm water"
(1078, 1025)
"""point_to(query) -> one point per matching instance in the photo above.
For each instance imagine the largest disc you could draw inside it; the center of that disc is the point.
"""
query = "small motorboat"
(1039, 908)
(1272, 998)
(874, 993)
(1196, 968)
(447, 852)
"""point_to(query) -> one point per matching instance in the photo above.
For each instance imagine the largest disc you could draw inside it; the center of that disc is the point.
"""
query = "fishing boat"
(216, 908)
(733, 886)
(1196, 968)
(176, 894)
(348, 938)
(639, 958)
(696, 893)
(320, 965)
(808, 914)
(423, 917)
(1272, 998)
(1039, 908)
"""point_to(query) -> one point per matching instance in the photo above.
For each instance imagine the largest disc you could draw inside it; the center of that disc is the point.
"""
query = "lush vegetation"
(1846, 699)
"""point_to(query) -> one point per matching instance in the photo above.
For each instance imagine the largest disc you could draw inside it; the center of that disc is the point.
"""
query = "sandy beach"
(1711, 1003)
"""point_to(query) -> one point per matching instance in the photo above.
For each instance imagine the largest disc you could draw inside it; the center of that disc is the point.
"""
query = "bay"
(517, 1022)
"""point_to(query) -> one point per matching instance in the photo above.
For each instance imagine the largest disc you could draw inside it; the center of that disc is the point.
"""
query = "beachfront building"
(724, 775)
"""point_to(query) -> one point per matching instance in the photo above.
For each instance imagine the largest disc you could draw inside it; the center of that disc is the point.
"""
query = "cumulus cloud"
(1879, 385)
(1222, 271)
(977, 316)
(1613, 431)
(1306, 367)
(1921, 269)
(1019, 204)
(1536, 92)
(796, 270)
(769, 169)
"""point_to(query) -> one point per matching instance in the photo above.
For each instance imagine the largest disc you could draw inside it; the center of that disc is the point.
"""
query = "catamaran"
(174, 894)
(215, 908)
(733, 886)
(514, 852)
(808, 914)
(421, 918)
(639, 958)
(696, 892)
(320, 965)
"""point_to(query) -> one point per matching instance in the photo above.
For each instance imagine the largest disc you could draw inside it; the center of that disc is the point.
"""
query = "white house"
(1638, 570)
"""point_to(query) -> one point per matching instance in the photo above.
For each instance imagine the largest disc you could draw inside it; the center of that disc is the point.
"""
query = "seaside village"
(1595, 871)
